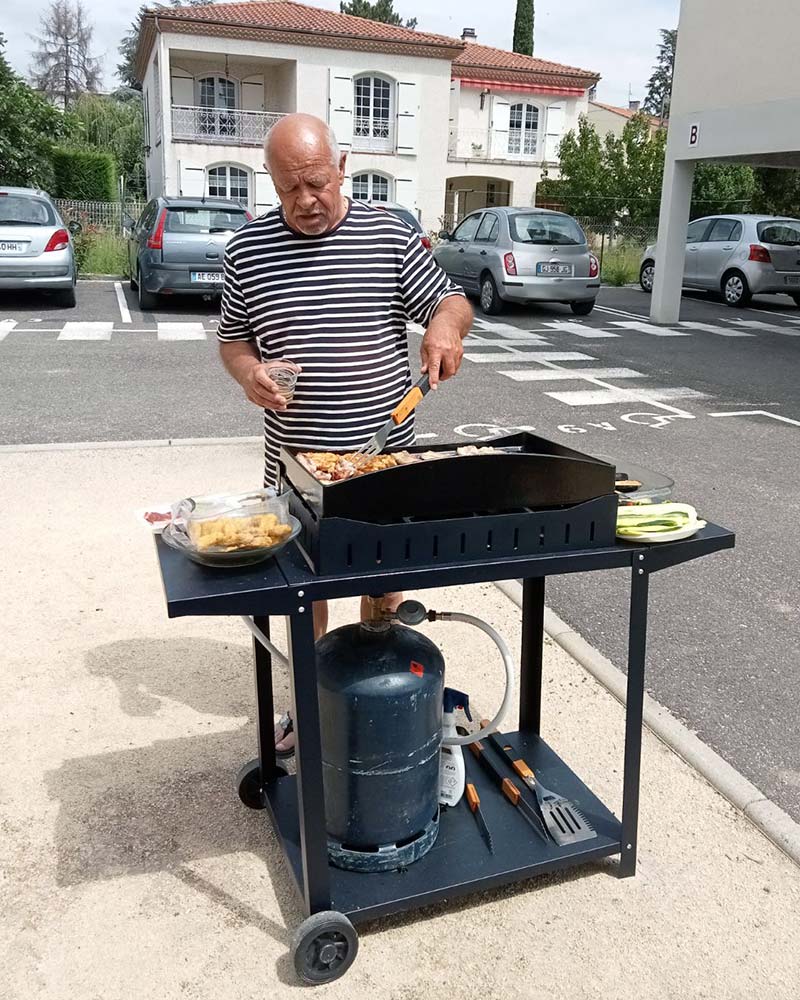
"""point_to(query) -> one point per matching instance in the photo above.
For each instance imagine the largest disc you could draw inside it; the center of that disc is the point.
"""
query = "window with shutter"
(371, 187)
(373, 128)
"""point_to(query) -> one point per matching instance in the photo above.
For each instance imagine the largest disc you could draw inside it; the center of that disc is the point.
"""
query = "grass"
(101, 252)
(621, 266)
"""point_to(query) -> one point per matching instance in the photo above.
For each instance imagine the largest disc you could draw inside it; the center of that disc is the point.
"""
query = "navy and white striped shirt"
(337, 305)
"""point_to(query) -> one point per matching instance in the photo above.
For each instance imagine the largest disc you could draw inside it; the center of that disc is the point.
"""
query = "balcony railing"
(222, 125)
(373, 135)
(481, 144)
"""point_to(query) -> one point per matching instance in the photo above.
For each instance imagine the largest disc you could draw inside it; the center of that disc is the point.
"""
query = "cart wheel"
(324, 947)
(250, 785)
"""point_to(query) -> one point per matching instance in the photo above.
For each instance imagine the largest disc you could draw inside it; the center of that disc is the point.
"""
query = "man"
(329, 284)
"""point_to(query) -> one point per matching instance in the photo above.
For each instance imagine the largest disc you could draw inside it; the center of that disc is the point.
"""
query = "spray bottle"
(451, 766)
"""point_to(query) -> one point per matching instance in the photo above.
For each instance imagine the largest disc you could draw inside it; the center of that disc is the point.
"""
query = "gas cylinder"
(380, 689)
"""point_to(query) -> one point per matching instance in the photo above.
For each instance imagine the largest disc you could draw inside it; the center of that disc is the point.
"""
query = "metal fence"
(102, 214)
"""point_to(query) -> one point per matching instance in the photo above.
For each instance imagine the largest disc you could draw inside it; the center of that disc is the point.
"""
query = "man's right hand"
(261, 390)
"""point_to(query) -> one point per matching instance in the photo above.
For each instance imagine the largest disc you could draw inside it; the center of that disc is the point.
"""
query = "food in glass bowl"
(229, 534)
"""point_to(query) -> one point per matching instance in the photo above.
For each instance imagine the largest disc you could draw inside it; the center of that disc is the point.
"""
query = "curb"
(770, 819)
(102, 277)
(10, 449)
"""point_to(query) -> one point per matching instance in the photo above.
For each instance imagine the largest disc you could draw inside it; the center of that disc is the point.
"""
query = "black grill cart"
(567, 527)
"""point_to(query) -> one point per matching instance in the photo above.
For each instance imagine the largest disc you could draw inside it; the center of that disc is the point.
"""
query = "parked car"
(177, 245)
(738, 256)
(35, 245)
(407, 216)
(521, 255)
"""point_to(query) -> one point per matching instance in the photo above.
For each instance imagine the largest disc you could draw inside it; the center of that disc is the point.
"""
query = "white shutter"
(407, 108)
(347, 185)
(253, 94)
(266, 195)
(193, 180)
(405, 193)
(555, 131)
(340, 106)
(501, 115)
(183, 90)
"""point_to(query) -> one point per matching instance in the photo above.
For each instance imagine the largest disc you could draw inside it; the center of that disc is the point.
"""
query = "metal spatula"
(407, 405)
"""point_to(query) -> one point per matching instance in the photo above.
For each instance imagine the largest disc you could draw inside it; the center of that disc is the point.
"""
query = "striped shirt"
(337, 305)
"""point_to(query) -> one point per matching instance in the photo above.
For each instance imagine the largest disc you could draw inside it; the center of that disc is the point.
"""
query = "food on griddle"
(330, 467)
(627, 485)
(257, 531)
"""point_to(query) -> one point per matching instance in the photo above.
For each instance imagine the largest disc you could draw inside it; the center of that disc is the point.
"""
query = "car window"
(466, 231)
(487, 231)
(147, 216)
(204, 220)
(723, 230)
(540, 229)
(780, 232)
(694, 233)
(22, 209)
(408, 217)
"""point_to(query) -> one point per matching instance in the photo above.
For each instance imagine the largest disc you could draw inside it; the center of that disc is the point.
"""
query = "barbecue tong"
(407, 405)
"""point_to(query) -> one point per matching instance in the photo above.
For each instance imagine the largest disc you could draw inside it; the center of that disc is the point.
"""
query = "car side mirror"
(444, 235)
(74, 227)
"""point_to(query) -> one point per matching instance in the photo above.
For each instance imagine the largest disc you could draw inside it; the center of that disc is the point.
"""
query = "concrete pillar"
(676, 200)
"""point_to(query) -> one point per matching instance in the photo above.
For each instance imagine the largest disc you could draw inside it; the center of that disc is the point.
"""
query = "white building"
(750, 114)
(431, 122)
(608, 118)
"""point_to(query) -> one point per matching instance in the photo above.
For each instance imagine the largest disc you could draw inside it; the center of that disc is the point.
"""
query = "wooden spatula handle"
(510, 791)
(522, 769)
(473, 800)
(407, 404)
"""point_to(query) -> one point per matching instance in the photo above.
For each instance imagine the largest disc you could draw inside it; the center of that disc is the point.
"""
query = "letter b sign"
(694, 134)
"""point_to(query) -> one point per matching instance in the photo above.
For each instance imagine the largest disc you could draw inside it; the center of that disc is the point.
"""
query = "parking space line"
(86, 331)
(562, 326)
(180, 331)
(718, 330)
(648, 328)
(755, 324)
(602, 397)
(564, 374)
(124, 312)
(6, 326)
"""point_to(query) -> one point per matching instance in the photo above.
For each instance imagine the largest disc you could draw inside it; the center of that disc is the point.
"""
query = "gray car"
(177, 246)
(521, 255)
(737, 256)
(35, 245)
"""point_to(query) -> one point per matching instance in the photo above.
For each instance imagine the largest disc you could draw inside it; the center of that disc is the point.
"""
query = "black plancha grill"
(535, 497)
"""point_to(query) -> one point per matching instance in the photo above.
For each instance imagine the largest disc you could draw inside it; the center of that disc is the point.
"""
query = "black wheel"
(647, 275)
(582, 308)
(491, 303)
(67, 298)
(251, 787)
(324, 947)
(147, 300)
(736, 290)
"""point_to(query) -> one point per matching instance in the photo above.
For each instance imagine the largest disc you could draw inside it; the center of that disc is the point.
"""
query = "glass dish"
(227, 560)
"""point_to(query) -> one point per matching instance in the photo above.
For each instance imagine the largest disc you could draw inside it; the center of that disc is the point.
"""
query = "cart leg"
(637, 643)
(310, 793)
(265, 709)
(530, 687)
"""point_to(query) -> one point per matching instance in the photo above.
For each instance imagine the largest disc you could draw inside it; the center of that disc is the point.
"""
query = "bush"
(621, 266)
(84, 175)
(101, 251)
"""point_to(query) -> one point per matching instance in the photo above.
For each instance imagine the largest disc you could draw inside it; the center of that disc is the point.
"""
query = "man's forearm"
(456, 310)
(239, 357)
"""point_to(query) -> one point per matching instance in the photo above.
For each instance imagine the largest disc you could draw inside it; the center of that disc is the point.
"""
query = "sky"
(616, 38)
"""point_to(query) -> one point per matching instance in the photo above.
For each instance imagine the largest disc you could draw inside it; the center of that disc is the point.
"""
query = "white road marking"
(757, 413)
(506, 329)
(619, 312)
(539, 356)
(181, 331)
(564, 374)
(755, 324)
(653, 331)
(124, 312)
(100, 330)
(719, 330)
(473, 341)
(580, 330)
(424, 437)
(6, 326)
(603, 397)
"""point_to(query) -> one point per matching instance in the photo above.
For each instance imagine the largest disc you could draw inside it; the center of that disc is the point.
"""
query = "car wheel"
(647, 275)
(491, 303)
(736, 290)
(67, 298)
(582, 308)
(147, 300)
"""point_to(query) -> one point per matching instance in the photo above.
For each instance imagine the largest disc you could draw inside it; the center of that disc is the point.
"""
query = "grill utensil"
(407, 405)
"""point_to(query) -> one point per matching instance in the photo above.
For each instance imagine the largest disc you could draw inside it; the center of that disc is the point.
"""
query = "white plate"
(663, 536)
(208, 277)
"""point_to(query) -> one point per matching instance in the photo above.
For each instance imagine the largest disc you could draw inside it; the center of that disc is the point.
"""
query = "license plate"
(554, 270)
(7, 246)
(208, 277)
(790, 279)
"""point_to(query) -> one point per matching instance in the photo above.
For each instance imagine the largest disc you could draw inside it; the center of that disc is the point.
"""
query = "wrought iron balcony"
(373, 135)
(226, 126)
(481, 144)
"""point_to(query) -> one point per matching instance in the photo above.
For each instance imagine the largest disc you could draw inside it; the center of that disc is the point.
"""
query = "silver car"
(521, 255)
(35, 245)
(738, 256)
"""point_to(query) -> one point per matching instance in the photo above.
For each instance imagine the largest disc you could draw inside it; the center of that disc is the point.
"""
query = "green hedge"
(84, 175)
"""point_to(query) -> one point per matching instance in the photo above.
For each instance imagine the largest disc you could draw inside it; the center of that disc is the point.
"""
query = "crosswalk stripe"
(648, 328)
(509, 358)
(602, 397)
(6, 326)
(100, 330)
(755, 324)
(472, 341)
(564, 374)
(580, 330)
(506, 329)
(719, 330)
(181, 331)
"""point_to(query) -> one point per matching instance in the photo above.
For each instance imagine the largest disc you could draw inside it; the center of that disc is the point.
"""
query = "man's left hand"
(442, 350)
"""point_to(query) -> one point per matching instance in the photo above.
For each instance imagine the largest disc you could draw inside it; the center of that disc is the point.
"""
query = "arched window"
(374, 114)
(216, 95)
(228, 181)
(371, 187)
(523, 130)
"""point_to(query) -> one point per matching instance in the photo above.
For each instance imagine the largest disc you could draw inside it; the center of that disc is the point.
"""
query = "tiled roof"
(624, 112)
(486, 63)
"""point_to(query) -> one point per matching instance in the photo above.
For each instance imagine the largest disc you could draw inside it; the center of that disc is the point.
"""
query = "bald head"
(300, 134)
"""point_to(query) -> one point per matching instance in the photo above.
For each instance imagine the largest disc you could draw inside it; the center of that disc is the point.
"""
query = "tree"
(381, 10)
(29, 128)
(63, 66)
(523, 28)
(777, 192)
(130, 40)
(659, 86)
(585, 187)
(722, 188)
(635, 162)
(115, 125)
